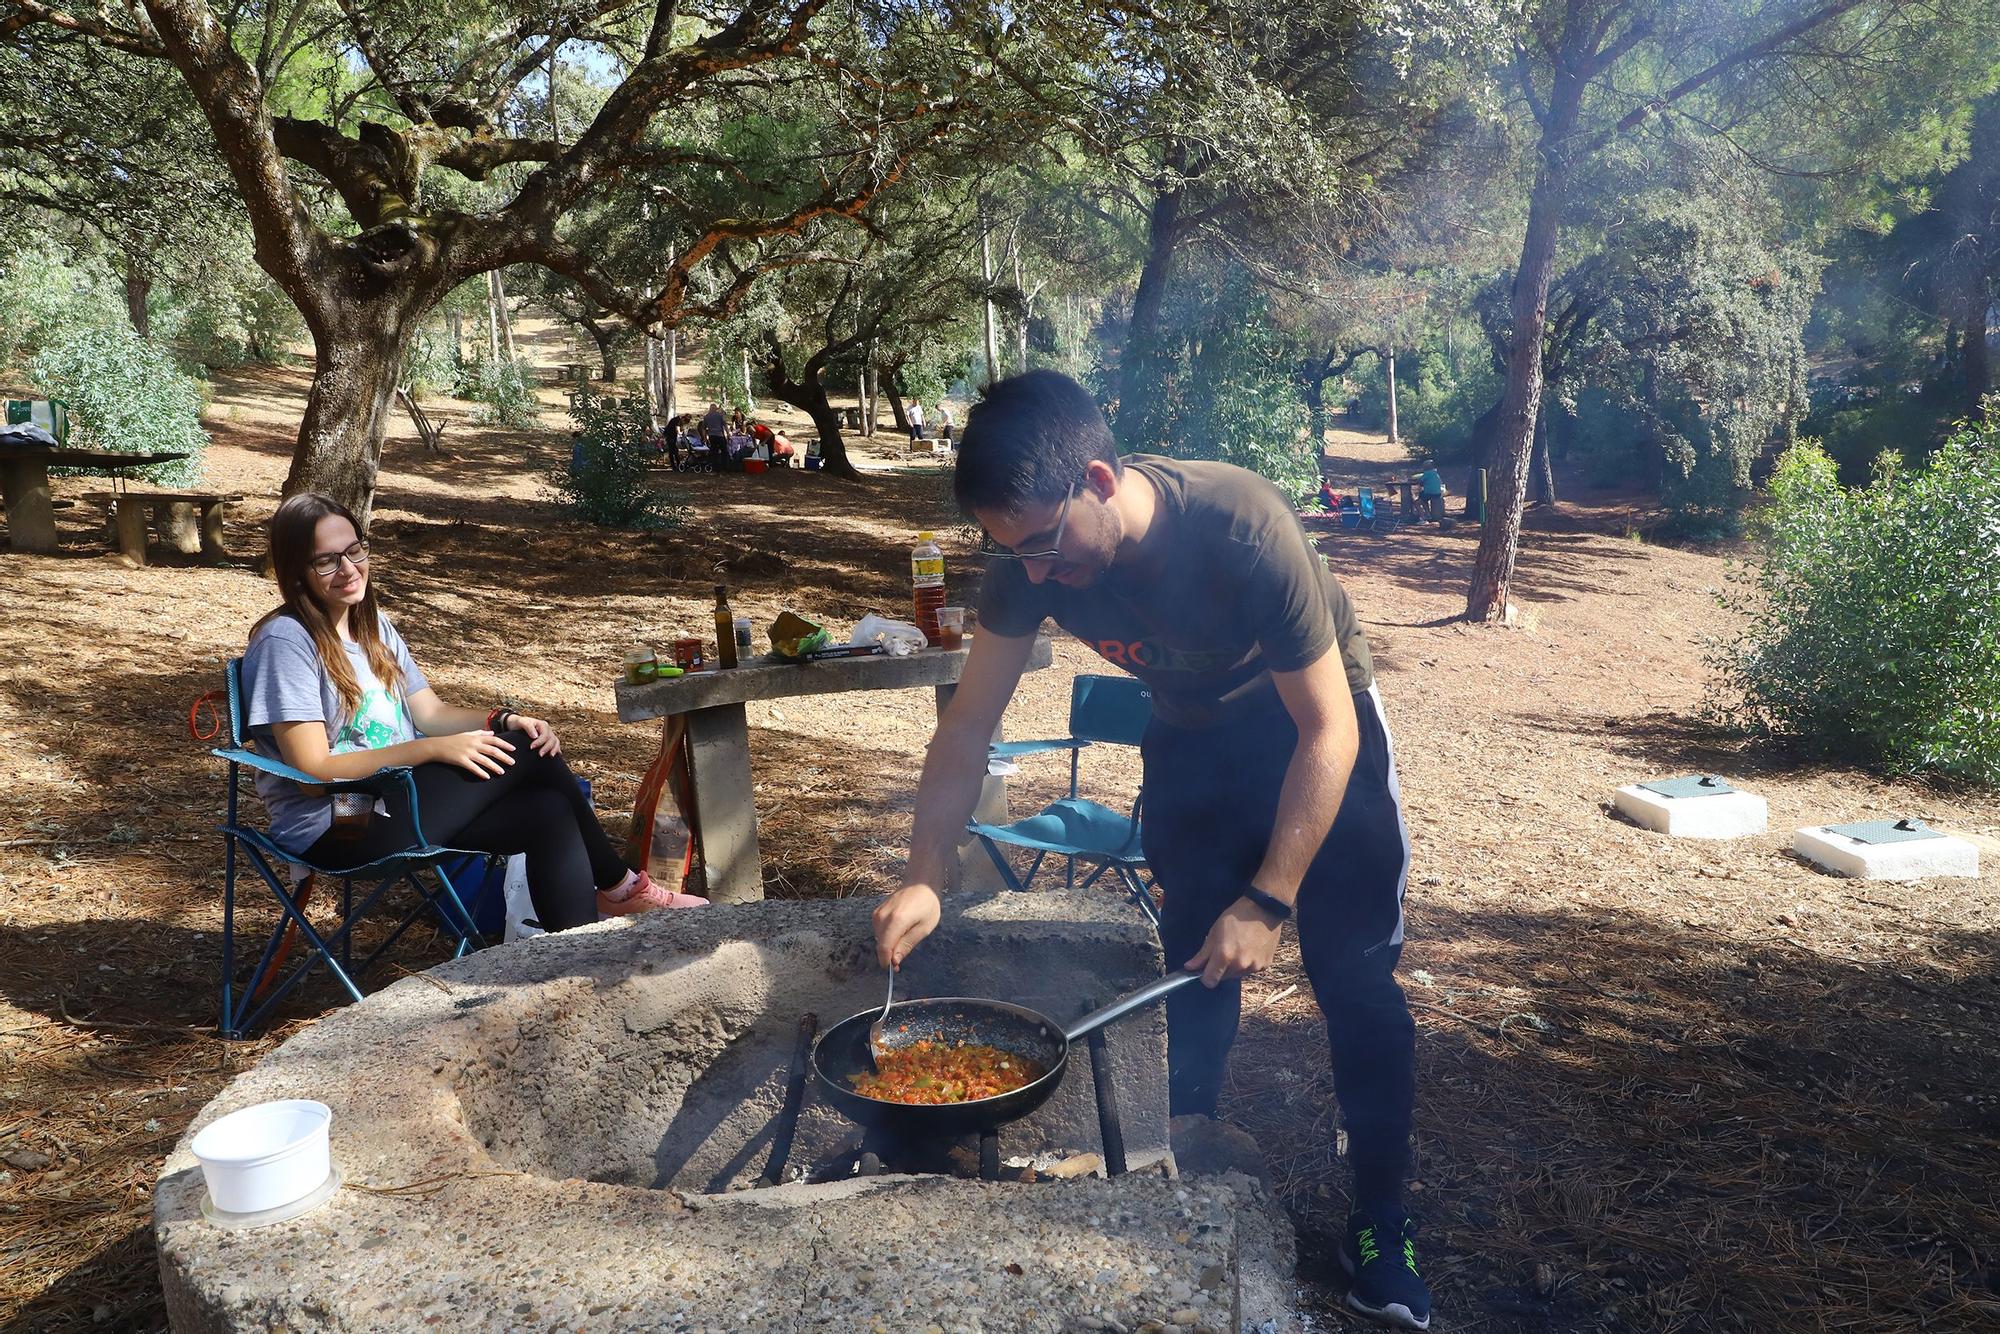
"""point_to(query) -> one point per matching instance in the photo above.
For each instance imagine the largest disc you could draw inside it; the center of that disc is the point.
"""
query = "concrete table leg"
(975, 868)
(178, 529)
(725, 805)
(31, 513)
(211, 531)
(128, 516)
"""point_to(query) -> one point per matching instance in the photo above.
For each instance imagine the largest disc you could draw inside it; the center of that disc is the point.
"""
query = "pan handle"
(1124, 1005)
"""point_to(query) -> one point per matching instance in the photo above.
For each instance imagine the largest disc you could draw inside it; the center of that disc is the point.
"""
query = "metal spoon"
(876, 1050)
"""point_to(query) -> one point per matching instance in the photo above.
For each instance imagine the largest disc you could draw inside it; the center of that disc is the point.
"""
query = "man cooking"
(1270, 785)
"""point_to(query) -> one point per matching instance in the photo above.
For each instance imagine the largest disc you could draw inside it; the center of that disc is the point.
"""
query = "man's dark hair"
(1027, 441)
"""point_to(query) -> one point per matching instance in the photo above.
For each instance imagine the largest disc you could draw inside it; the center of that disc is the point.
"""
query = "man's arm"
(1244, 939)
(954, 770)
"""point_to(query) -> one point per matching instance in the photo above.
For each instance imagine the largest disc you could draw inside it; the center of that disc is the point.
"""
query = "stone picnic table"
(24, 484)
(718, 736)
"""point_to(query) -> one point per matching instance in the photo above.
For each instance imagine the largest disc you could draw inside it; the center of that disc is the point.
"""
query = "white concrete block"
(1915, 859)
(1725, 815)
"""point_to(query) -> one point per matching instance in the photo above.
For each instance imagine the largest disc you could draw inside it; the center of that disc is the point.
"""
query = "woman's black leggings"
(535, 808)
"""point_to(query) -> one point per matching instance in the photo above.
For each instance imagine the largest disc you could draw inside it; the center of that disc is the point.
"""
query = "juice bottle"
(725, 628)
(927, 585)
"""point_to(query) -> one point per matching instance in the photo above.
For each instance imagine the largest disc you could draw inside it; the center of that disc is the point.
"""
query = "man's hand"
(1242, 941)
(902, 921)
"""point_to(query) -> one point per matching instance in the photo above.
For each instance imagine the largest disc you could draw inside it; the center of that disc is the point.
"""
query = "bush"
(1874, 628)
(126, 396)
(605, 479)
(431, 366)
(502, 391)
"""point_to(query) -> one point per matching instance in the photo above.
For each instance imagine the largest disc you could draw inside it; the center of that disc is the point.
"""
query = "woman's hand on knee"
(480, 753)
(541, 737)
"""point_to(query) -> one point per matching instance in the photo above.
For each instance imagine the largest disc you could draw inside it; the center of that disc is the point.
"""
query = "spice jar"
(640, 664)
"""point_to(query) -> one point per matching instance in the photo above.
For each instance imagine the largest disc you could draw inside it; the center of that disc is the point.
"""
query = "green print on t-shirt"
(378, 722)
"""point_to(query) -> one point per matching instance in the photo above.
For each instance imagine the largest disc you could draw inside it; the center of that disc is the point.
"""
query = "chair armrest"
(400, 774)
(1007, 750)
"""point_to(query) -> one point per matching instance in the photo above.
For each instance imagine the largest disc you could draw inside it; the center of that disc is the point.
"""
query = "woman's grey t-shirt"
(285, 682)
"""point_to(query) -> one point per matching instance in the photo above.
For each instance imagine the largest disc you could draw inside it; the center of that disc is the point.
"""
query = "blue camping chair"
(243, 1007)
(1110, 709)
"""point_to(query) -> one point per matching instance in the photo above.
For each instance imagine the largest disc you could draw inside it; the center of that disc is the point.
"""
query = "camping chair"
(1372, 517)
(243, 1007)
(1112, 709)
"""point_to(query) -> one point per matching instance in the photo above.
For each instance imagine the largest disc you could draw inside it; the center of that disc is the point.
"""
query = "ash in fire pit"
(583, 1119)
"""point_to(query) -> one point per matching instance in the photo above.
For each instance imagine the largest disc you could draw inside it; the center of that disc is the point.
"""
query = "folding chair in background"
(1102, 709)
(244, 1006)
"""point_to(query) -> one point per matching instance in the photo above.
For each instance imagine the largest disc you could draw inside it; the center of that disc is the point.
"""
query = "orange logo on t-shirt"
(1124, 654)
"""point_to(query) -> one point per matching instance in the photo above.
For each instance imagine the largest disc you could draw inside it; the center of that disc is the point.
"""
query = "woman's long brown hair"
(292, 551)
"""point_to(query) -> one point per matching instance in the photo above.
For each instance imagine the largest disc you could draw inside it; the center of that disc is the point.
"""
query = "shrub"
(126, 396)
(1874, 630)
(501, 390)
(431, 366)
(605, 479)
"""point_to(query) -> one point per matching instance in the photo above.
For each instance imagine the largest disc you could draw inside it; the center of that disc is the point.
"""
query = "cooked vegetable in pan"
(935, 1072)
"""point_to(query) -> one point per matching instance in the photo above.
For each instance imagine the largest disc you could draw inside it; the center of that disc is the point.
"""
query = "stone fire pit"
(566, 1134)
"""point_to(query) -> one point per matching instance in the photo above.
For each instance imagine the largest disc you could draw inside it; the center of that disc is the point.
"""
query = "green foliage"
(1225, 390)
(44, 295)
(126, 396)
(1438, 398)
(605, 479)
(432, 365)
(502, 391)
(1874, 621)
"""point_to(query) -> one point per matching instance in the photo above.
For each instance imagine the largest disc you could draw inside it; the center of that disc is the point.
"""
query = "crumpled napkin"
(898, 638)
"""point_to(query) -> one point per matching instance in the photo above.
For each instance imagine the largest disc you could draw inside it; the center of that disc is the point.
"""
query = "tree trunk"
(606, 338)
(1507, 479)
(492, 322)
(1389, 360)
(138, 286)
(499, 292)
(808, 394)
(896, 412)
(1142, 332)
(1978, 368)
(1543, 472)
(673, 371)
(992, 343)
(1021, 323)
(872, 413)
(340, 439)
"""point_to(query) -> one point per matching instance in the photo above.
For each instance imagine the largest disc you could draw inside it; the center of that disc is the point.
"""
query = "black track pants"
(535, 808)
(1211, 804)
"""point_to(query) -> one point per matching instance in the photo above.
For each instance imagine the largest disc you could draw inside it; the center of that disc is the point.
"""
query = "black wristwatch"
(1270, 904)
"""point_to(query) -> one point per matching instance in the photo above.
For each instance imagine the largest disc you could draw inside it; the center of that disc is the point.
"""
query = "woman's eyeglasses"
(329, 565)
(994, 551)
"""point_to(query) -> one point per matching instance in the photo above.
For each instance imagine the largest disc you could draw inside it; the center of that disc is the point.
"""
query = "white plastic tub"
(266, 1156)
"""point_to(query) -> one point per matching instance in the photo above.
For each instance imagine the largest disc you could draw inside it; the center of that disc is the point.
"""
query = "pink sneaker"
(644, 897)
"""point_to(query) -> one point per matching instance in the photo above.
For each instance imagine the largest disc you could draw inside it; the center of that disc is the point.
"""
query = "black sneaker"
(1382, 1260)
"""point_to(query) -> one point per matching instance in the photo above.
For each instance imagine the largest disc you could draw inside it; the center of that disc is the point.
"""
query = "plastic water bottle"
(927, 585)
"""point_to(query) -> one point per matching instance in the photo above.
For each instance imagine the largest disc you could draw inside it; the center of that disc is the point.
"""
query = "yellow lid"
(924, 536)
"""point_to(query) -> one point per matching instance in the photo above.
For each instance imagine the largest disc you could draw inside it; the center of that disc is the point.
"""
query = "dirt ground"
(1664, 1085)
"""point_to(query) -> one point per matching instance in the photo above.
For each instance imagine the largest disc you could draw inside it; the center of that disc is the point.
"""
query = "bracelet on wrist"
(1269, 904)
(496, 717)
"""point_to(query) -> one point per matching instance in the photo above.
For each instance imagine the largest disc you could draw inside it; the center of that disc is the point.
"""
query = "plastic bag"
(898, 638)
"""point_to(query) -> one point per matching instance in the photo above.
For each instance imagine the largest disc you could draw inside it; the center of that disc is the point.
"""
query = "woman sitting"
(332, 689)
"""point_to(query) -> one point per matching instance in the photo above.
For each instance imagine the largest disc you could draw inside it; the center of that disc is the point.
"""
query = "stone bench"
(188, 521)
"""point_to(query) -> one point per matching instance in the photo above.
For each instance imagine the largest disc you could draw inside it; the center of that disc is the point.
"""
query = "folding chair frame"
(240, 1013)
(1127, 869)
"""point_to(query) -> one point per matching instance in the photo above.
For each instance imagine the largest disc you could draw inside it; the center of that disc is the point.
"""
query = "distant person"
(1329, 499)
(738, 423)
(1430, 490)
(331, 689)
(944, 421)
(775, 445)
(916, 420)
(715, 432)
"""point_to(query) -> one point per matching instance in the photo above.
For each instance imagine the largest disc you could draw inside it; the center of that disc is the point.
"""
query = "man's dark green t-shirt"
(1241, 593)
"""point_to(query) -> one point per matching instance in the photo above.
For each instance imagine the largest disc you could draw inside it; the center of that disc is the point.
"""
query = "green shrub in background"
(501, 389)
(432, 366)
(605, 479)
(125, 396)
(1874, 621)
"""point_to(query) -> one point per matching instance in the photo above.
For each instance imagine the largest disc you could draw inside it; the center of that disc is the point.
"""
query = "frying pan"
(842, 1052)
